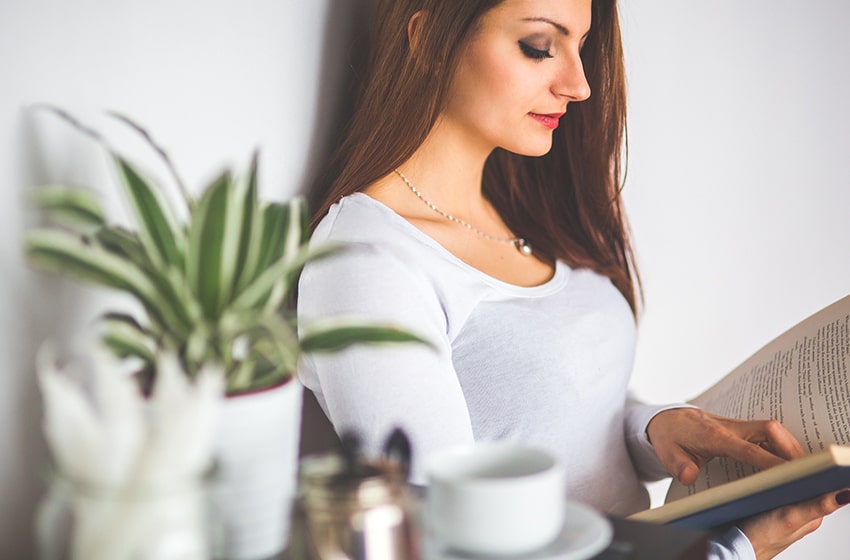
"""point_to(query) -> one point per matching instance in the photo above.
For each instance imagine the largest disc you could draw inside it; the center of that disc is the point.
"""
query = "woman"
(478, 186)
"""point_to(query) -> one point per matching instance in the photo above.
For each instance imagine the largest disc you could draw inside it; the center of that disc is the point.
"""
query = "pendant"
(522, 247)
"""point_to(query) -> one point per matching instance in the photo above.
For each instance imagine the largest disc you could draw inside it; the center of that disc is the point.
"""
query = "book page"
(800, 379)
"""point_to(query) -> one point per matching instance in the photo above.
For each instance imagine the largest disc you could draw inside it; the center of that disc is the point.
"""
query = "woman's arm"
(374, 389)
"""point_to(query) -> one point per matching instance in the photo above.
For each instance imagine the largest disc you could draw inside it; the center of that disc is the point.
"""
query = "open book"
(801, 379)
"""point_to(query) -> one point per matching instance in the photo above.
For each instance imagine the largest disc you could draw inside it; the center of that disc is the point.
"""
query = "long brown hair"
(567, 203)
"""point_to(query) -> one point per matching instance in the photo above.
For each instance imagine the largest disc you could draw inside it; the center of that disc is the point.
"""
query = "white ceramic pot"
(255, 481)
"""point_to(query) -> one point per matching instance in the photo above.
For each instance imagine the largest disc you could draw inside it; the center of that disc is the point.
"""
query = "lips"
(549, 121)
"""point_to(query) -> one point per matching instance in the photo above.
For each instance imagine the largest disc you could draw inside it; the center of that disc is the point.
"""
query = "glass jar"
(83, 521)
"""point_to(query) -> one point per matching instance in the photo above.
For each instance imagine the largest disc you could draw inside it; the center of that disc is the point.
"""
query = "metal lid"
(328, 480)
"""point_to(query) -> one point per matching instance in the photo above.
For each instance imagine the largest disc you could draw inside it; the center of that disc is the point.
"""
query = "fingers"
(809, 514)
(772, 532)
(683, 467)
(681, 464)
(833, 501)
(749, 453)
(778, 440)
(688, 473)
(686, 467)
(805, 517)
(761, 443)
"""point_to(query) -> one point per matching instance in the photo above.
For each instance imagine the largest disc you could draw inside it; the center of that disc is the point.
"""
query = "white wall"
(212, 81)
(738, 186)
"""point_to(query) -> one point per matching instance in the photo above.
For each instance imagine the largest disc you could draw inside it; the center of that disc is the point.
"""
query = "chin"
(536, 149)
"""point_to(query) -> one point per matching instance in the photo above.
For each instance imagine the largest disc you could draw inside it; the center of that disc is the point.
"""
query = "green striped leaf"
(123, 243)
(266, 243)
(73, 206)
(283, 288)
(126, 318)
(61, 251)
(206, 240)
(177, 309)
(284, 270)
(251, 218)
(256, 374)
(277, 295)
(275, 225)
(296, 234)
(270, 340)
(305, 219)
(198, 349)
(232, 243)
(277, 230)
(125, 337)
(158, 228)
(241, 378)
(267, 369)
(331, 335)
(248, 272)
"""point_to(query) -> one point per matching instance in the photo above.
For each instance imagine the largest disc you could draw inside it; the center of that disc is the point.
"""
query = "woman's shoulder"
(360, 218)
(368, 226)
(374, 240)
(378, 269)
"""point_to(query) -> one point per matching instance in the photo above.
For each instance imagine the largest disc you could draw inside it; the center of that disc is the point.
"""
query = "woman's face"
(517, 74)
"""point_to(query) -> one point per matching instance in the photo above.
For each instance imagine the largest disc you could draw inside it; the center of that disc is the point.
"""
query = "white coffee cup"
(495, 498)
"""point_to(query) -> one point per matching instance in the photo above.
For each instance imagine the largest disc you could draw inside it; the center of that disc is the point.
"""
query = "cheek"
(499, 81)
(490, 69)
(490, 73)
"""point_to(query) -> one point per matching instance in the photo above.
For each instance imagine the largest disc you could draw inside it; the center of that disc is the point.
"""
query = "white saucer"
(586, 533)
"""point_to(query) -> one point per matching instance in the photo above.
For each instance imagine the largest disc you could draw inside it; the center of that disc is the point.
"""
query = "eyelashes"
(532, 52)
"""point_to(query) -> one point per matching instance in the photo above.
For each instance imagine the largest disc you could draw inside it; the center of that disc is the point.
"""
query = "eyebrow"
(561, 29)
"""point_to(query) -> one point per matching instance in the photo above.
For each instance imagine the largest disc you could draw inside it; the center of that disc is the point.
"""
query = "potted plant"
(215, 288)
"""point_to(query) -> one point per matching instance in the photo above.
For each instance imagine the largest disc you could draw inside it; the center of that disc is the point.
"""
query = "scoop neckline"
(554, 283)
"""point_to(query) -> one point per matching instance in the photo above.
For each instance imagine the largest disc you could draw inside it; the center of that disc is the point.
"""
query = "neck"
(449, 168)
(445, 173)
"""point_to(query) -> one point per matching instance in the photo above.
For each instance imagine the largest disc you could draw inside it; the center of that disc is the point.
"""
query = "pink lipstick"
(549, 121)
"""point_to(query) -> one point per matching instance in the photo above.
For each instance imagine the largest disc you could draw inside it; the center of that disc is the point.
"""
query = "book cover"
(791, 482)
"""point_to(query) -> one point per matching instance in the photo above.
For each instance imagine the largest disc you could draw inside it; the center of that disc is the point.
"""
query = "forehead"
(571, 15)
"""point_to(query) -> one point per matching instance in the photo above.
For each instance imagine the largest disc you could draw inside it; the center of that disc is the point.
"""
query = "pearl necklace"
(521, 245)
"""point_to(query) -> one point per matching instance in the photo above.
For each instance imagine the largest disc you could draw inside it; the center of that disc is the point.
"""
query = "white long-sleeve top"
(547, 365)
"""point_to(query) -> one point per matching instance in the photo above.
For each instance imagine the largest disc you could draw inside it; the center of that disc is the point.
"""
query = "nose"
(570, 81)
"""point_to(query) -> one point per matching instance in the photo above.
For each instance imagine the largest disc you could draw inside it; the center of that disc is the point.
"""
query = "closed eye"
(534, 53)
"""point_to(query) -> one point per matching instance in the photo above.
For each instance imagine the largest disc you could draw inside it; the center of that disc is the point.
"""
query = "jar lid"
(328, 479)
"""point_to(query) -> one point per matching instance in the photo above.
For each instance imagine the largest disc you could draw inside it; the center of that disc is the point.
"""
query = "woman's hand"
(685, 439)
(772, 532)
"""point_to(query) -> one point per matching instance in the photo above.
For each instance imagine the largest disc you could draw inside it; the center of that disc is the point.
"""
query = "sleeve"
(637, 418)
(732, 544)
(372, 389)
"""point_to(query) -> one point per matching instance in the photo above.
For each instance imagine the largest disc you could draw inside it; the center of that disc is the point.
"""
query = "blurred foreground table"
(634, 540)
